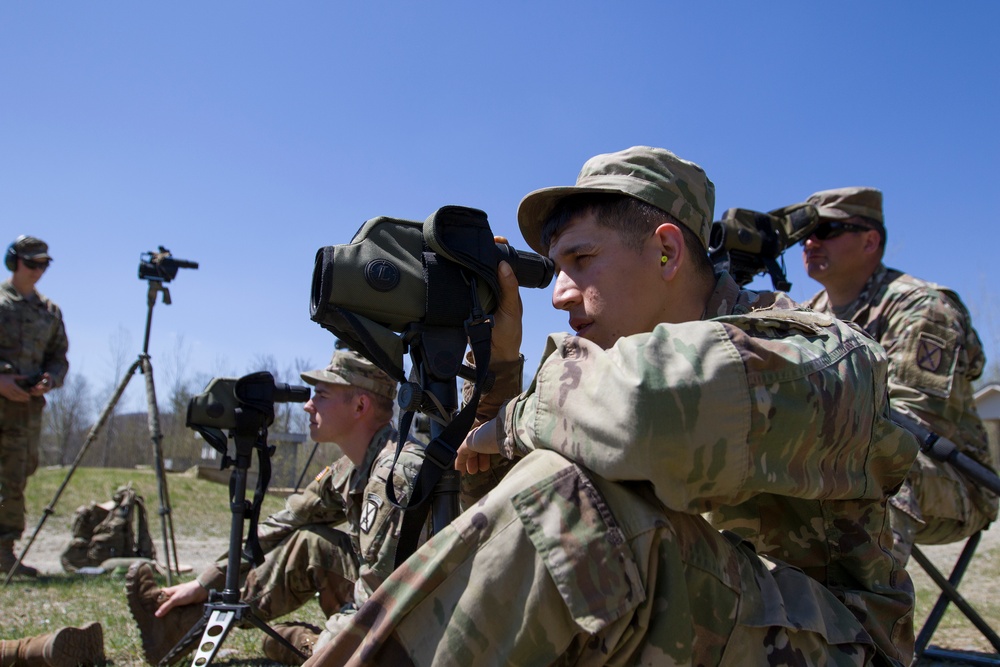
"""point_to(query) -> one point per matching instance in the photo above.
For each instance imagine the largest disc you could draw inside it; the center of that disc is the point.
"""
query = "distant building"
(988, 406)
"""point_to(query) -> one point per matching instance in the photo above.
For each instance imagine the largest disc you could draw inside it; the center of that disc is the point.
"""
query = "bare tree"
(119, 346)
(69, 409)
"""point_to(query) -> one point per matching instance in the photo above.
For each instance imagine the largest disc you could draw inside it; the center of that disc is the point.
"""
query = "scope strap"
(442, 450)
(253, 551)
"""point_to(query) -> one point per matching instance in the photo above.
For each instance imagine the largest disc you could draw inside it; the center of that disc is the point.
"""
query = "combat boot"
(8, 560)
(159, 635)
(66, 647)
(300, 635)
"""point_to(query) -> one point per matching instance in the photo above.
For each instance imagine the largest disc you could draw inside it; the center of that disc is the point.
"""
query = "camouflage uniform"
(934, 355)
(338, 535)
(32, 340)
(594, 549)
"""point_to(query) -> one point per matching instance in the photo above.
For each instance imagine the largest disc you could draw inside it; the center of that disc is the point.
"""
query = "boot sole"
(77, 646)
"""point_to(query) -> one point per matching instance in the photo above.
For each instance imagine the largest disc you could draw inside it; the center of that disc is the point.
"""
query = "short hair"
(633, 219)
(383, 405)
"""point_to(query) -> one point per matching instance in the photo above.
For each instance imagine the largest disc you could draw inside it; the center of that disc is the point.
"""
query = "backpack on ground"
(117, 528)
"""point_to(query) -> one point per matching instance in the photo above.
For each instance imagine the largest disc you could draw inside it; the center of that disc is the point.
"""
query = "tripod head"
(158, 269)
(162, 266)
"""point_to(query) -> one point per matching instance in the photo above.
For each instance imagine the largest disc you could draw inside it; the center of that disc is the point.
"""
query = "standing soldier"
(33, 348)
(934, 356)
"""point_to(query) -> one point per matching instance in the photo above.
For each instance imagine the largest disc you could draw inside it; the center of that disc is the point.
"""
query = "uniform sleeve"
(931, 348)
(55, 362)
(508, 382)
(319, 502)
(715, 412)
(379, 525)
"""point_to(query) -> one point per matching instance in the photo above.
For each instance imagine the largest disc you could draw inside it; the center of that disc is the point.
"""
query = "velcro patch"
(930, 352)
(369, 512)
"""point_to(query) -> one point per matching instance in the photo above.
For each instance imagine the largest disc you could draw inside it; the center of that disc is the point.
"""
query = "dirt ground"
(197, 554)
(193, 555)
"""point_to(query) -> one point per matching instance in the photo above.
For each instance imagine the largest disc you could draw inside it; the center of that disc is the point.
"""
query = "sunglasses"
(32, 264)
(832, 229)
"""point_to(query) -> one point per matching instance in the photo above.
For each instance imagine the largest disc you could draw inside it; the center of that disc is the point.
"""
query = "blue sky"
(245, 135)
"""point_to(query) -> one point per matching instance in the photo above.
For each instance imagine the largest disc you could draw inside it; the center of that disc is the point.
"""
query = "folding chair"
(949, 593)
(945, 450)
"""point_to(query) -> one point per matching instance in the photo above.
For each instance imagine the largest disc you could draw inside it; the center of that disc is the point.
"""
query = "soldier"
(335, 539)
(934, 356)
(66, 647)
(680, 394)
(33, 349)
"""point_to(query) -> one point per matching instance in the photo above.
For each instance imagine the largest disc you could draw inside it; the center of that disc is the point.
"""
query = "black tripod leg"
(185, 643)
(155, 434)
(271, 632)
(94, 431)
(214, 627)
(217, 628)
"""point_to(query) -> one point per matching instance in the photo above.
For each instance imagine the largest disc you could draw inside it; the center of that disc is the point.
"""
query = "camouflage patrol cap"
(844, 203)
(349, 368)
(653, 175)
(29, 247)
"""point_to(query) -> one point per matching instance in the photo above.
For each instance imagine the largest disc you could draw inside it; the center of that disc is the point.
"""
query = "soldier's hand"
(10, 390)
(181, 595)
(474, 452)
(506, 343)
(43, 386)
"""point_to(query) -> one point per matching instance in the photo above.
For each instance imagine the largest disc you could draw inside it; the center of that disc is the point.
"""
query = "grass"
(201, 514)
(980, 587)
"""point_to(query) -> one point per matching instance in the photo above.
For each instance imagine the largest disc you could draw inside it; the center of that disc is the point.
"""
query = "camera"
(747, 243)
(161, 266)
(224, 399)
(398, 274)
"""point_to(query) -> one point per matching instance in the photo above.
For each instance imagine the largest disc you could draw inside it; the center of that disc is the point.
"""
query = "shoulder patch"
(369, 512)
(930, 352)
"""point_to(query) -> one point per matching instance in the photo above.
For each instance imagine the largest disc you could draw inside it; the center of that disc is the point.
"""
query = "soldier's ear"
(669, 241)
(362, 404)
(873, 242)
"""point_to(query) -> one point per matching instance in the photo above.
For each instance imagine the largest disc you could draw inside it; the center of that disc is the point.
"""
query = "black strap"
(442, 450)
(942, 449)
(252, 551)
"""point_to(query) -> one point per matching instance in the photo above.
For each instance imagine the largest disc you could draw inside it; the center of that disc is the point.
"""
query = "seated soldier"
(334, 540)
(679, 395)
(934, 357)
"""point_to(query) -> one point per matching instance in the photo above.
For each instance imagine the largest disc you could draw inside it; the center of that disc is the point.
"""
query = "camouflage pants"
(937, 505)
(496, 586)
(20, 429)
(315, 558)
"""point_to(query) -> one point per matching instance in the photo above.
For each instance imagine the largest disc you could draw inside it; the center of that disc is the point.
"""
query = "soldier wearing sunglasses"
(934, 356)
(33, 348)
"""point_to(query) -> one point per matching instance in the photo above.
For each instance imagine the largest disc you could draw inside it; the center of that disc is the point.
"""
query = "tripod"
(225, 608)
(144, 364)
